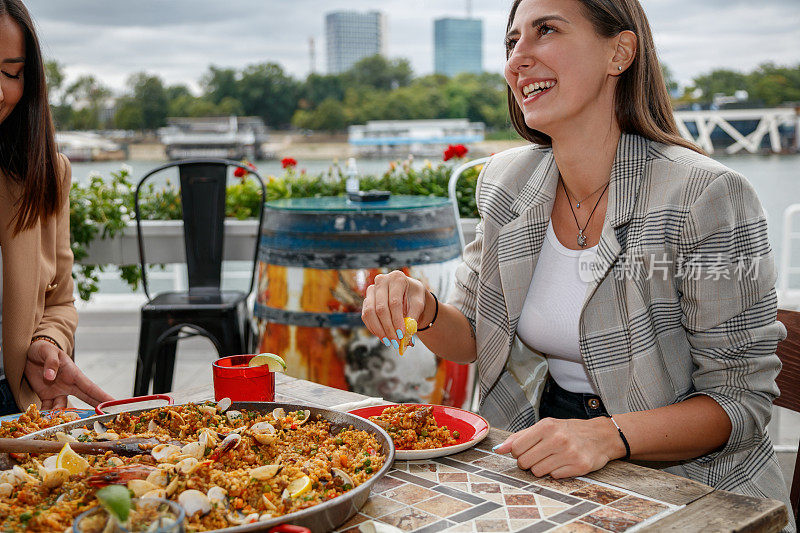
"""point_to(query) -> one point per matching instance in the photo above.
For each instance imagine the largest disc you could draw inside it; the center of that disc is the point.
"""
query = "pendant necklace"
(581, 236)
(579, 202)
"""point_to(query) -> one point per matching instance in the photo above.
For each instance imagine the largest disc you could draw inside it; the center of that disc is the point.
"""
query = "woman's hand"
(564, 448)
(389, 300)
(53, 375)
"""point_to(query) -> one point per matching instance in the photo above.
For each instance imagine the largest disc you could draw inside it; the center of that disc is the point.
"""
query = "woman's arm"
(60, 318)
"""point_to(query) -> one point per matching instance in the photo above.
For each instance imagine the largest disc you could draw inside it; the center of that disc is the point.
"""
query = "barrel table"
(318, 256)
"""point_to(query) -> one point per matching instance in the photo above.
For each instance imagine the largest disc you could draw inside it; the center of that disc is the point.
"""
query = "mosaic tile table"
(478, 490)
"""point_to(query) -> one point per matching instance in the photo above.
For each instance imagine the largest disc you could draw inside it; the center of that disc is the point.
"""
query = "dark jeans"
(560, 403)
(7, 404)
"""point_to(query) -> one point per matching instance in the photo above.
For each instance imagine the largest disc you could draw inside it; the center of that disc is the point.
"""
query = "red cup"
(241, 383)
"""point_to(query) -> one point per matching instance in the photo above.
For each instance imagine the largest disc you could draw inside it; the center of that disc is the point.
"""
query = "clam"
(158, 477)
(224, 404)
(208, 438)
(99, 427)
(22, 476)
(173, 486)
(115, 461)
(193, 502)
(140, 487)
(238, 518)
(218, 496)
(108, 435)
(50, 462)
(6, 489)
(278, 413)
(301, 417)
(155, 493)
(207, 409)
(186, 465)
(78, 432)
(63, 437)
(194, 449)
(163, 452)
(337, 472)
(228, 443)
(198, 466)
(265, 472)
(152, 427)
(264, 432)
(8, 476)
(55, 478)
(267, 503)
(233, 416)
(174, 415)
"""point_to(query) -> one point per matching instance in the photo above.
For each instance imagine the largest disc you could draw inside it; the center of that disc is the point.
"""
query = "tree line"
(375, 88)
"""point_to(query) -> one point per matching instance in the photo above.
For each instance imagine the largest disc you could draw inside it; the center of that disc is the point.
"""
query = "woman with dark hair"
(619, 297)
(38, 311)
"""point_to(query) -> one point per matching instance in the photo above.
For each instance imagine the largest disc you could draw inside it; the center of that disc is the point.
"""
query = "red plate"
(472, 429)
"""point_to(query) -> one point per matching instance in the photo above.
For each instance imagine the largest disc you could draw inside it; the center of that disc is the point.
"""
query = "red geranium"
(455, 150)
(288, 162)
(240, 172)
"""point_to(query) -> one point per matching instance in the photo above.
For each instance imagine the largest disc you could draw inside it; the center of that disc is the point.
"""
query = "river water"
(776, 179)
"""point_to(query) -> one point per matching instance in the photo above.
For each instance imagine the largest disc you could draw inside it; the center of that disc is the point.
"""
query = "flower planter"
(164, 242)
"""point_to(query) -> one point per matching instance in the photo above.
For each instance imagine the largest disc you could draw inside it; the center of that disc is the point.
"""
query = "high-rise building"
(458, 46)
(352, 36)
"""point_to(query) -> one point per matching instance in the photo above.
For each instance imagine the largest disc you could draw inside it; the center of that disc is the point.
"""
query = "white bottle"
(352, 184)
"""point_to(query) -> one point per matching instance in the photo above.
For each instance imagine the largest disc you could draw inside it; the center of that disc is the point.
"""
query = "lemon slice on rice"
(299, 486)
(275, 363)
(71, 461)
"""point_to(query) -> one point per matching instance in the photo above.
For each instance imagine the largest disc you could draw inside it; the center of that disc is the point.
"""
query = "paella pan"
(233, 468)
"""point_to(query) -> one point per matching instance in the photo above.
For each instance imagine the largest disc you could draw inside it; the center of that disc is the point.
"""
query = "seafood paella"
(225, 467)
(413, 427)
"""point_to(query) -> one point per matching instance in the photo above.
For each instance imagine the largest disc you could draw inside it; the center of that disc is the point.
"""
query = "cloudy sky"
(178, 39)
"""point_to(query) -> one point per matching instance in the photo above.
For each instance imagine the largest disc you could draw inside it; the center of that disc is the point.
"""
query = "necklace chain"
(579, 202)
(581, 236)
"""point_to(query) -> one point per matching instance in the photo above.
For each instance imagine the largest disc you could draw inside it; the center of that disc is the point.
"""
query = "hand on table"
(564, 448)
(53, 375)
(388, 301)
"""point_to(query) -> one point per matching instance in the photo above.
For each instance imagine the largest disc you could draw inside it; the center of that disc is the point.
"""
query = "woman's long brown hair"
(641, 101)
(28, 153)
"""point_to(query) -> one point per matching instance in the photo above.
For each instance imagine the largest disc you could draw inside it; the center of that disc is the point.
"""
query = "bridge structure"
(769, 122)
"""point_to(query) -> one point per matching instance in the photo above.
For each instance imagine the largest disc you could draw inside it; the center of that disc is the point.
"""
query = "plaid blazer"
(647, 340)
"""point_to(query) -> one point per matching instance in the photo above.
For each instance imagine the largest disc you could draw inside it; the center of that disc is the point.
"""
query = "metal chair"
(789, 353)
(204, 309)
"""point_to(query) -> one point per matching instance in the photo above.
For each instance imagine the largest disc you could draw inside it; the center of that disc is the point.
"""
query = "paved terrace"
(106, 345)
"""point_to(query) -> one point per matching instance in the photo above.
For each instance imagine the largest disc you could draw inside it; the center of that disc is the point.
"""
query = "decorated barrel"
(317, 256)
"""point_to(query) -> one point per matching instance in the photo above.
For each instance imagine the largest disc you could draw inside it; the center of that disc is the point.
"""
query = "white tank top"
(549, 320)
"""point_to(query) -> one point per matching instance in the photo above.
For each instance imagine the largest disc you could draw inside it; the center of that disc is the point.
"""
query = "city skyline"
(180, 39)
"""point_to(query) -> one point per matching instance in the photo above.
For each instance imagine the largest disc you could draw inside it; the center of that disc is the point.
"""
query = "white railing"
(786, 294)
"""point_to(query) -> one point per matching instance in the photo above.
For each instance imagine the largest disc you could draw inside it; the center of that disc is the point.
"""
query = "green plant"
(102, 209)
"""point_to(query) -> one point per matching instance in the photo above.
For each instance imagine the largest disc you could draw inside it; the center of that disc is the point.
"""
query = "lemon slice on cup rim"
(274, 363)
(117, 501)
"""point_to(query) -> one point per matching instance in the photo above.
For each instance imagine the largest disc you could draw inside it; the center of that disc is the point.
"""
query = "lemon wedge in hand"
(71, 461)
(275, 363)
(299, 486)
(411, 329)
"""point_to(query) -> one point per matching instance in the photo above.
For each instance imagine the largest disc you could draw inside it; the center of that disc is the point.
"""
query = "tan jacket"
(37, 284)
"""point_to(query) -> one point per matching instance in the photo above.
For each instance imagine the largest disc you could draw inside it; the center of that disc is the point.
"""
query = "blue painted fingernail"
(395, 344)
(386, 341)
(496, 446)
(399, 334)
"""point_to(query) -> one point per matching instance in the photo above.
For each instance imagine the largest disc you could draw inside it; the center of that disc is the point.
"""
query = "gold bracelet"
(47, 339)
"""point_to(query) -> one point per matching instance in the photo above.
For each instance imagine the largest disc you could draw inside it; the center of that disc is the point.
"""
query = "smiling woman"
(601, 331)
(38, 314)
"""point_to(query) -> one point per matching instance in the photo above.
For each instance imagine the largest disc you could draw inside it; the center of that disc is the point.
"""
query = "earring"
(619, 68)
